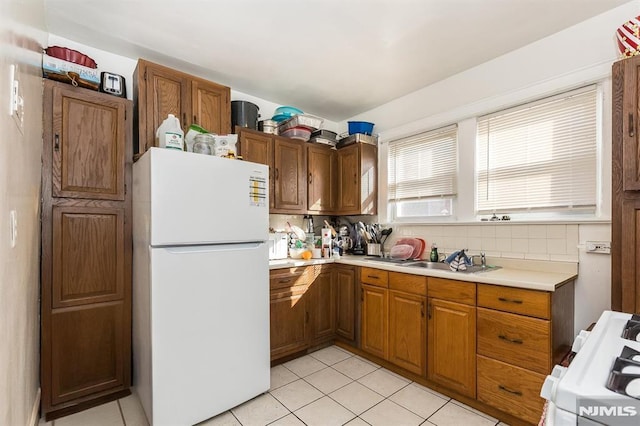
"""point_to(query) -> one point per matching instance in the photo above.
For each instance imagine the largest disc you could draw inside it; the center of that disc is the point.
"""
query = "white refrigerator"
(200, 284)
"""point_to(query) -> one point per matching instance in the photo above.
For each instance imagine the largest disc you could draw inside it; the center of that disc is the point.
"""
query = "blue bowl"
(289, 111)
(280, 117)
(360, 127)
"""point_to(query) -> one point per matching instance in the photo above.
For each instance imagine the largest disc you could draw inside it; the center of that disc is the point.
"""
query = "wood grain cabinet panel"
(88, 255)
(452, 346)
(357, 179)
(345, 288)
(289, 175)
(288, 324)
(88, 350)
(88, 144)
(511, 389)
(321, 171)
(408, 331)
(323, 309)
(85, 274)
(375, 317)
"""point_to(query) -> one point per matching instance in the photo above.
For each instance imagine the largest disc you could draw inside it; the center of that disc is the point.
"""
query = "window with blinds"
(423, 174)
(539, 157)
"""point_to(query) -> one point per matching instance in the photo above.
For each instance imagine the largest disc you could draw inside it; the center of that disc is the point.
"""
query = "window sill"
(501, 222)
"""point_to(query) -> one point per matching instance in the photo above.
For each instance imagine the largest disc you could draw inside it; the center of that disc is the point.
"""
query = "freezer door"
(209, 330)
(201, 199)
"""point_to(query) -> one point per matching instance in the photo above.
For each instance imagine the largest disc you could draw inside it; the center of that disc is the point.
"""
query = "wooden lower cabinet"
(345, 292)
(375, 314)
(323, 307)
(511, 389)
(452, 346)
(408, 331)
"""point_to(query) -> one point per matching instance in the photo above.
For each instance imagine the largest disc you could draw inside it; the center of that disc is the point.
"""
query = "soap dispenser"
(433, 256)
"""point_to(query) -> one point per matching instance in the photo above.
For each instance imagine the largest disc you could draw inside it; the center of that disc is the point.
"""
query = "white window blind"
(540, 156)
(423, 165)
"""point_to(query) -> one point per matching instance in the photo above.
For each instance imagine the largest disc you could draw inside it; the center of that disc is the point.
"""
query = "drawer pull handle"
(56, 143)
(284, 281)
(505, 338)
(631, 126)
(506, 389)
(504, 299)
(375, 277)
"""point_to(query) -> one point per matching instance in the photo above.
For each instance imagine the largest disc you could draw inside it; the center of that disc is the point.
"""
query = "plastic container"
(297, 133)
(363, 127)
(170, 134)
(204, 143)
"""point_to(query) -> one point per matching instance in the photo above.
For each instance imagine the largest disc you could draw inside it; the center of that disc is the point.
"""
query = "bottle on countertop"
(170, 134)
(433, 256)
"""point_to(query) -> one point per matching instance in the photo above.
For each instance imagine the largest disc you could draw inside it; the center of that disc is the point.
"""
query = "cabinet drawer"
(517, 300)
(290, 277)
(515, 339)
(376, 277)
(511, 389)
(455, 291)
(416, 284)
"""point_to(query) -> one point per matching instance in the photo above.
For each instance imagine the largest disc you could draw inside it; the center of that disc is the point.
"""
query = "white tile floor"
(328, 387)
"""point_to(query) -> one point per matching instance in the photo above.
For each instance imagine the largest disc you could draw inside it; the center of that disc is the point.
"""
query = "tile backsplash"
(536, 242)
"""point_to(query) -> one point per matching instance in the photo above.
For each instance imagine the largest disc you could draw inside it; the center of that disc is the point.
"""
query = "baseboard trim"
(33, 421)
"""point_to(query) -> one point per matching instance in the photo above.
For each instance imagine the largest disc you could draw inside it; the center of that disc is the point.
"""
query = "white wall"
(21, 39)
(125, 66)
(574, 57)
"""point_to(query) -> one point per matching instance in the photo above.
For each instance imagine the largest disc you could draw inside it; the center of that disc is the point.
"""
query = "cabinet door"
(348, 172)
(321, 164)
(630, 125)
(323, 323)
(408, 331)
(345, 284)
(288, 324)
(630, 278)
(88, 144)
(88, 255)
(375, 314)
(88, 351)
(289, 175)
(167, 92)
(211, 106)
(452, 346)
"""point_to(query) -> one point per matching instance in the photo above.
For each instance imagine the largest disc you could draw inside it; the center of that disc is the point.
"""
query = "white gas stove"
(602, 383)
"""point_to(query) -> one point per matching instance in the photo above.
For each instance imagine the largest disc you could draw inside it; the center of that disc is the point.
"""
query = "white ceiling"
(332, 58)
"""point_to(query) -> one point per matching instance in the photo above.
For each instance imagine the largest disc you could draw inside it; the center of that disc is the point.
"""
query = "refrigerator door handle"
(213, 248)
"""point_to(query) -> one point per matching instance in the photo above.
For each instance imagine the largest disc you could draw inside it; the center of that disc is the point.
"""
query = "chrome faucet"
(483, 260)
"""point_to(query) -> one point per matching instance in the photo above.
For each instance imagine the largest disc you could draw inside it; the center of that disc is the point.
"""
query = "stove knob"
(549, 387)
(579, 340)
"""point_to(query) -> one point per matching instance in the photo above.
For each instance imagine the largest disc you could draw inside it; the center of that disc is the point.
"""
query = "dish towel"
(458, 261)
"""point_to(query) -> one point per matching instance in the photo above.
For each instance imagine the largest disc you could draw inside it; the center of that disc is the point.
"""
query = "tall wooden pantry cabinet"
(86, 249)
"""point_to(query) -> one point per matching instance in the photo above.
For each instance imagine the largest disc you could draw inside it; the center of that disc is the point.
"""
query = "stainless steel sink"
(445, 267)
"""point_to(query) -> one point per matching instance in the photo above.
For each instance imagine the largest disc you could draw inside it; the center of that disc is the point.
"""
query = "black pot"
(244, 114)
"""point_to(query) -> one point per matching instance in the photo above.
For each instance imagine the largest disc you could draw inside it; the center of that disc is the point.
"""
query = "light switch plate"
(13, 228)
(16, 101)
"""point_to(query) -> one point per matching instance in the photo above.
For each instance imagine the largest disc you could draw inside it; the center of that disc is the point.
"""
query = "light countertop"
(529, 274)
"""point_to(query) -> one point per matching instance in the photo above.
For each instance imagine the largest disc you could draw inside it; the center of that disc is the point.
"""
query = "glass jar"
(204, 143)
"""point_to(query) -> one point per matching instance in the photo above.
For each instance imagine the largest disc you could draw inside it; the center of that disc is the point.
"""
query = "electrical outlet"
(603, 247)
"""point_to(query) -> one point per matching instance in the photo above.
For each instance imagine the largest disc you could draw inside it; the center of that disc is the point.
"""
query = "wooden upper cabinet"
(160, 91)
(627, 73)
(210, 104)
(358, 179)
(289, 173)
(88, 140)
(256, 147)
(321, 171)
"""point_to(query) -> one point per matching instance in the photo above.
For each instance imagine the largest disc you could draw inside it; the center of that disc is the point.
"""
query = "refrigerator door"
(210, 333)
(203, 199)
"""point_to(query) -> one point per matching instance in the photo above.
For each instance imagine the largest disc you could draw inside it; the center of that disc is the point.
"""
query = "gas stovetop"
(624, 377)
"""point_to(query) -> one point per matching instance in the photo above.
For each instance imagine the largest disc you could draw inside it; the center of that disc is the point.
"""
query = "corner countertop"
(527, 274)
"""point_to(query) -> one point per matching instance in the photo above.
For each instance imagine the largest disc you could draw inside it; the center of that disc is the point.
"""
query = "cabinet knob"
(56, 142)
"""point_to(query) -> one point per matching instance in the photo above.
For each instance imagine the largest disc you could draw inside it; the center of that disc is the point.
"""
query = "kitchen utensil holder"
(373, 249)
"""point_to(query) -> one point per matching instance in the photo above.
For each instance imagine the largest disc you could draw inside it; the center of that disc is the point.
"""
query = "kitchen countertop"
(529, 274)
